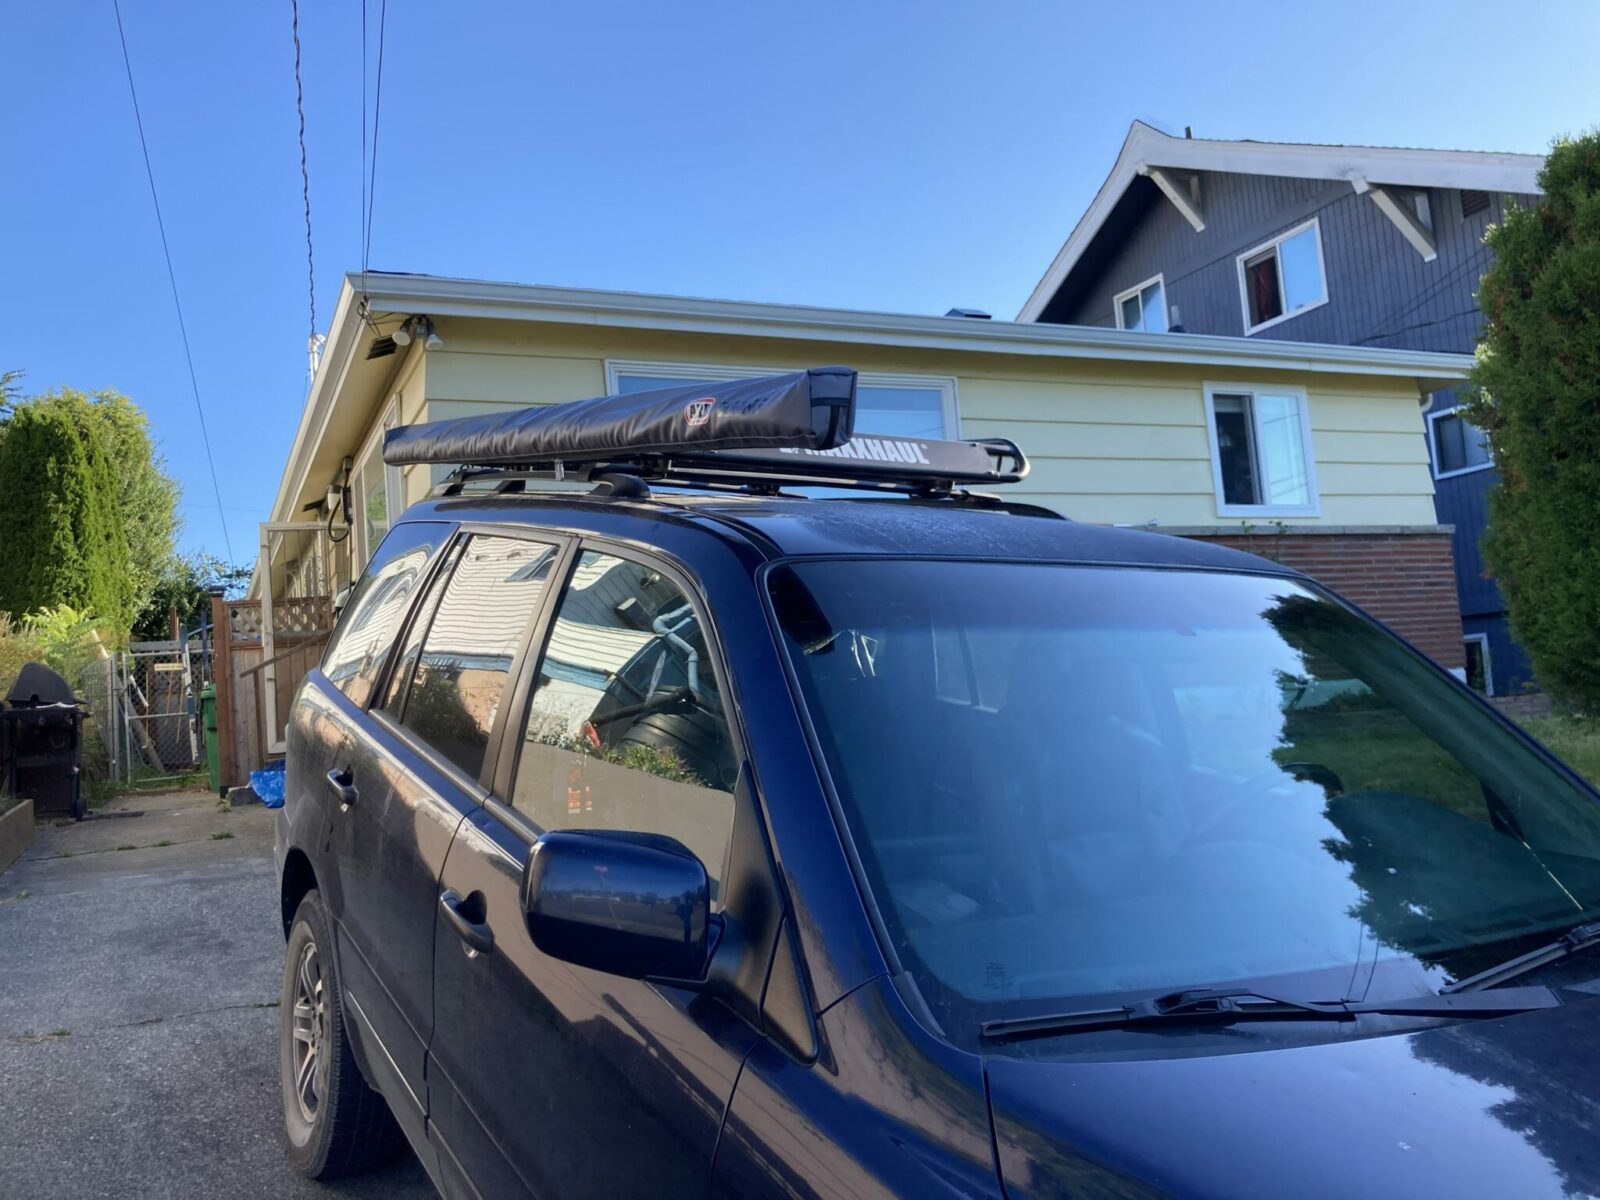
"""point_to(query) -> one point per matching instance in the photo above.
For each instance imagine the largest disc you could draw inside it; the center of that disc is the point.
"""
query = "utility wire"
(372, 166)
(305, 174)
(1372, 337)
(361, 213)
(172, 278)
(1479, 258)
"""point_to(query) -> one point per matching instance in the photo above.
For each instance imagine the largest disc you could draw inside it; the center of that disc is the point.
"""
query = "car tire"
(336, 1124)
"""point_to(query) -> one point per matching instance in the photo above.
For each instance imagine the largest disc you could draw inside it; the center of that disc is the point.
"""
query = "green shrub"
(64, 537)
(1538, 398)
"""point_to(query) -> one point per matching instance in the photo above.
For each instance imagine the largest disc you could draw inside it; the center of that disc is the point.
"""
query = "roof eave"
(1148, 147)
(482, 300)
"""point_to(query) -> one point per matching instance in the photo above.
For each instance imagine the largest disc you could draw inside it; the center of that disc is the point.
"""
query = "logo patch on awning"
(698, 412)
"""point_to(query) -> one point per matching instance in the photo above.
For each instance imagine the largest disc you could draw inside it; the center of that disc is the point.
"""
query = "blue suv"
(699, 834)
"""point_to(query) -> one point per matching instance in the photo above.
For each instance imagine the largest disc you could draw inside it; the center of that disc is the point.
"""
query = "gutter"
(482, 300)
(475, 299)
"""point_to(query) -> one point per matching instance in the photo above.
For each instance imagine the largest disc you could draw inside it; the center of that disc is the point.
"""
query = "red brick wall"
(1406, 580)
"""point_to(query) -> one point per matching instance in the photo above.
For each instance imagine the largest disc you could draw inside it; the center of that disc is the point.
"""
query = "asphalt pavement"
(140, 963)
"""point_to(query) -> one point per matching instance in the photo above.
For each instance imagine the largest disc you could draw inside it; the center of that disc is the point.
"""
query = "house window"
(897, 405)
(374, 491)
(1480, 673)
(1261, 455)
(1282, 278)
(1143, 308)
(1459, 446)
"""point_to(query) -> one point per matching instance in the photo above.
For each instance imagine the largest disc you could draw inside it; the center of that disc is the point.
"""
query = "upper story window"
(898, 405)
(1143, 308)
(1261, 456)
(1459, 446)
(1282, 278)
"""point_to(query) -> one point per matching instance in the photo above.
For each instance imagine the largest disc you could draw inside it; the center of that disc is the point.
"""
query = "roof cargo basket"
(760, 434)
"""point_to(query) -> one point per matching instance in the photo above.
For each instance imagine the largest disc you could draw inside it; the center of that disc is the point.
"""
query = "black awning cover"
(811, 410)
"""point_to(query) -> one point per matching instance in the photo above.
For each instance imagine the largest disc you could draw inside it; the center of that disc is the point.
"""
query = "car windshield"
(1074, 785)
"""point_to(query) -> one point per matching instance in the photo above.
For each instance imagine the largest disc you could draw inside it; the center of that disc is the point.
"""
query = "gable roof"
(1147, 148)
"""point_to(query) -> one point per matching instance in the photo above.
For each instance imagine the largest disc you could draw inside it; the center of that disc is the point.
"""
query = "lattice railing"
(244, 620)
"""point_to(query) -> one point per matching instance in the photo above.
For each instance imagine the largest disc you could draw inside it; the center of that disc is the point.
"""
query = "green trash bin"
(208, 714)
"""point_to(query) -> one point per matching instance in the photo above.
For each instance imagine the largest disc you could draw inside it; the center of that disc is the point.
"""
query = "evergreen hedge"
(1538, 398)
(64, 542)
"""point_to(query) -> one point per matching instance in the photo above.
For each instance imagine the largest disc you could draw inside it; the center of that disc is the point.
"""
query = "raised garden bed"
(16, 829)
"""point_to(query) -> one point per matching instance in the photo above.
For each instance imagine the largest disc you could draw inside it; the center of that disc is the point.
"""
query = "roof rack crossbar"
(929, 469)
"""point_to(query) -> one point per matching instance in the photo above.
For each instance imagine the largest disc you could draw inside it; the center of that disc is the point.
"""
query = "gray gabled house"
(1357, 245)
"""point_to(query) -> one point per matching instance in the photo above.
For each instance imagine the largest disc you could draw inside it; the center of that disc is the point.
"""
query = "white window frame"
(1433, 446)
(1224, 509)
(1137, 289)
(1488, 663)
(945, 385)
(1272, 244)
(392, 484)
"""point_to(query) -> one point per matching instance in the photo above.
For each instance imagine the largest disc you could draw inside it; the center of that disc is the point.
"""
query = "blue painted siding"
(1380, 293)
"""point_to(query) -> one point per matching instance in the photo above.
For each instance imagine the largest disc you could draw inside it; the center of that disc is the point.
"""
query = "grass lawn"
(1573, 739)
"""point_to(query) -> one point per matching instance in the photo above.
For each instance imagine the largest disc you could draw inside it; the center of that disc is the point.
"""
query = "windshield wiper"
(1225, 1006)
(1580, 937)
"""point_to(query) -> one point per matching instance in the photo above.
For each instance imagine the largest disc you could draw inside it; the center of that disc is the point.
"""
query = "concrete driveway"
(140, 959)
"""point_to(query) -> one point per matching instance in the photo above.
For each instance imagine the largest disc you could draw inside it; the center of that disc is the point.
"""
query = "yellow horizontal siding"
(1125, 477)
(1080, 440)
(1367, 446)
(1110, 443)
(1373, 479)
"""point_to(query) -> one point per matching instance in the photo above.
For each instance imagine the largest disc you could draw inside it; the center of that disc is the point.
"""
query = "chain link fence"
(144, 705)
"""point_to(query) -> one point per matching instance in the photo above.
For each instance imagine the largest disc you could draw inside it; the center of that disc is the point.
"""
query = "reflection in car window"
(467, 650)
(1076, 786)
(626, 728)
(366, 631)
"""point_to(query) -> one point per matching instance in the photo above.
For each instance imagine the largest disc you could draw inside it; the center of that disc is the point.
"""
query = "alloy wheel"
(309, 1026)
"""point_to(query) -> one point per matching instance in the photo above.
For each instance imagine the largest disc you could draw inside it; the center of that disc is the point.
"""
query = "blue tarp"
(267, 784)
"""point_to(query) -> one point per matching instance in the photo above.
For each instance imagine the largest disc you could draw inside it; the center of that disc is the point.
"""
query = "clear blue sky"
(900, 156)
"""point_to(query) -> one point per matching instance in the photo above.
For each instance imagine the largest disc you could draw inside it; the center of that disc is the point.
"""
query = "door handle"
(476, 934)
(342, 785)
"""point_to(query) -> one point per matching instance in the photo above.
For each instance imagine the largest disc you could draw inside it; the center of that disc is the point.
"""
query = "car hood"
(1508, 1107)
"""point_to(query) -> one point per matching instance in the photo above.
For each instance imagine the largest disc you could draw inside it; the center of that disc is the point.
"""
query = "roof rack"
(920, 467)
(760, 435)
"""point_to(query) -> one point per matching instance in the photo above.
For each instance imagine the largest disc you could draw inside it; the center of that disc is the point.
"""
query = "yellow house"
(1312, 454)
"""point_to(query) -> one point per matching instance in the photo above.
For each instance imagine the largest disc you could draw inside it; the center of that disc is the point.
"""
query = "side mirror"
(342, 598)
(630, 904)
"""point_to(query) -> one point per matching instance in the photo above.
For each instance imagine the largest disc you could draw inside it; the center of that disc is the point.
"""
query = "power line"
(1479, 258)
(305, 174)
(1372, 337)
(361, 213)
(377, 116)
(172, 278)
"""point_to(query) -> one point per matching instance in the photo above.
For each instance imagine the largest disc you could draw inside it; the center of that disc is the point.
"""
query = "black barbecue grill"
(41, 734)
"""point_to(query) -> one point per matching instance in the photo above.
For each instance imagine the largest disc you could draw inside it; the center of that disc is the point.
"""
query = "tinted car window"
(356, 653)
(467, 650)
(1072, 787)
(393, 698)
(626, 728)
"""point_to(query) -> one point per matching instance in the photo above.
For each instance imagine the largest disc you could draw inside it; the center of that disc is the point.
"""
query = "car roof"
(797, 526)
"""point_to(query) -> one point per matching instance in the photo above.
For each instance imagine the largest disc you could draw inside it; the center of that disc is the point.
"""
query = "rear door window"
(361, 643)
(626, 728)
(465, 654)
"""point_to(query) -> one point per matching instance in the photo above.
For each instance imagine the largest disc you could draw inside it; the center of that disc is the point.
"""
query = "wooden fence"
(243, 736)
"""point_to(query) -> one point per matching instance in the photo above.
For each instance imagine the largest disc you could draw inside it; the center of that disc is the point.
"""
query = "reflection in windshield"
(1071, 783)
